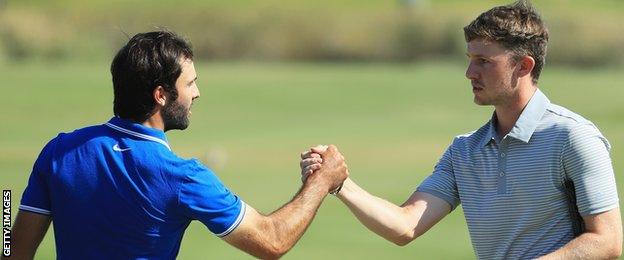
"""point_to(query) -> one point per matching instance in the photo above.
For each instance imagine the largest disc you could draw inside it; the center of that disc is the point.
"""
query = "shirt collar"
(527, 122)
(490, 131)
(138, 130)
(530, 117)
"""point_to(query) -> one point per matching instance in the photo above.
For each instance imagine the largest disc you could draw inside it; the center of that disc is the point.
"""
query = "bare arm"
(398, 224)
(602, 239)
(28, 231)
(270, 237)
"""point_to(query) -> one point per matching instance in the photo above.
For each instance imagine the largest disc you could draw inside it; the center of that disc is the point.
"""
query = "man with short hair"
(117, 191)
(534, 181)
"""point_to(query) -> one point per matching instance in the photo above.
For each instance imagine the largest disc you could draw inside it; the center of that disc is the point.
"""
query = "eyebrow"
(475, 55)
(193, 79)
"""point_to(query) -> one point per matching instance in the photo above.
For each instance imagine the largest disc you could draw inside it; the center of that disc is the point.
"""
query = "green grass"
(392, 122)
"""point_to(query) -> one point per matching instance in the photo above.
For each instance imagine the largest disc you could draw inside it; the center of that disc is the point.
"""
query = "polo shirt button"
(501, 174)
(502, 155)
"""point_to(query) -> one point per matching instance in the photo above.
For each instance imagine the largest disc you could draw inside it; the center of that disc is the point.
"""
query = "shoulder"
(184, 170)
(58, 146)
(81, 136)
(568, 121)
(573, 127)
(194, 180)
(564, 116)
(68, 138)
(471, 139)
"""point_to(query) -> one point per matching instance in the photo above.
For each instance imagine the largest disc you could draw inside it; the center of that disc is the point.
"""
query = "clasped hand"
(324, 163)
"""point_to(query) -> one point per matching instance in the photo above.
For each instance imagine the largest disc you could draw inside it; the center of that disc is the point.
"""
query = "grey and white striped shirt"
(511, 188)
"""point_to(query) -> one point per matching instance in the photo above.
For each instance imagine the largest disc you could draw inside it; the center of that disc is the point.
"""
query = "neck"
(155, 121)
(507, 114)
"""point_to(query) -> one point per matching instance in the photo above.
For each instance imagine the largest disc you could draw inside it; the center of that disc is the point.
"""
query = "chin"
(179, 125)
(183, 125)
(479, 102)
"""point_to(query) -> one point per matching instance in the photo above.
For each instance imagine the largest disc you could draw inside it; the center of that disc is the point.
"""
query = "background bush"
(582, 33)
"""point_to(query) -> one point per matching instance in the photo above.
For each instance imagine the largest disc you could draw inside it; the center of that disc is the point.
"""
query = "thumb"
(319, 149)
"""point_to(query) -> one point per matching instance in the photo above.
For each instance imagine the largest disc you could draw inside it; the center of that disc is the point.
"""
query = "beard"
(501, 94)
(175, 116)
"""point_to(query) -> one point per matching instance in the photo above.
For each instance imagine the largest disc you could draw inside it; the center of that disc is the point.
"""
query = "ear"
(160, 96)
(527, 63)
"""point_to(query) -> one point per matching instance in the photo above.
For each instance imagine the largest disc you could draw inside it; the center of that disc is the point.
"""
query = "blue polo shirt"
(117, 191)
(512, 187)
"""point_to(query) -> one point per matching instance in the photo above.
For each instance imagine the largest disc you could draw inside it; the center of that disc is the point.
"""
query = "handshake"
(324, 165)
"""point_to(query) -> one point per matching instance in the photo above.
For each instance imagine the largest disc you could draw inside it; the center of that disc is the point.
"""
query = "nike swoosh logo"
(116, 148)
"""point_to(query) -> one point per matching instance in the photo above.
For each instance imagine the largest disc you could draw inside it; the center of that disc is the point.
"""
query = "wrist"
(336, 190)
(319, 183)
(345, 189)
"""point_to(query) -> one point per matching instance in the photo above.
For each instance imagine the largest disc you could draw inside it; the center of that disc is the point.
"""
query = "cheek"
(498, 74)
(183, 94)
(188, 99)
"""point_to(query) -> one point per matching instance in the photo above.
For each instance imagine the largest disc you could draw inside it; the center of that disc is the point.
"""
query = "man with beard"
(117, 191)
(534, 181)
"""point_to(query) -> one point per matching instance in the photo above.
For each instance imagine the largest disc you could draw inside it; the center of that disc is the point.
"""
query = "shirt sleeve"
(441, 183)
(587, 163)
(36, 197)
(203, 197)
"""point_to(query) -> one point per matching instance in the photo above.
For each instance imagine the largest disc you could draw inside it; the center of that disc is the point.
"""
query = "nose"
(471, 72)
(195, 92)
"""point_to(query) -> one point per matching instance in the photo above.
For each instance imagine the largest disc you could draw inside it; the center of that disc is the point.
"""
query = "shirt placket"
(502, 166)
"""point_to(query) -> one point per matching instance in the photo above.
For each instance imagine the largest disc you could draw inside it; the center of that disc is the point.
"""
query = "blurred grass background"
(381, 79)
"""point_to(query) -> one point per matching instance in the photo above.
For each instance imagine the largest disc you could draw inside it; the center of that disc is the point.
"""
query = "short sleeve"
(587, 163)
(441, 183)
(36, 197)
(202, 196)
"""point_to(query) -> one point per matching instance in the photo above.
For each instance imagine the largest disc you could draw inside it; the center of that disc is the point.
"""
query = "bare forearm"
(287, 224)
(273, 235)
(378, 215)
(586, 246)
(602, 240)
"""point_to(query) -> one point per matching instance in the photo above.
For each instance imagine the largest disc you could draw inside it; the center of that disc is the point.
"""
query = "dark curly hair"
(148, 60)
(518, 27)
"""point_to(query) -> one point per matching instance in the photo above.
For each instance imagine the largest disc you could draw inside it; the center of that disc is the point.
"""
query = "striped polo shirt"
(511, 188)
